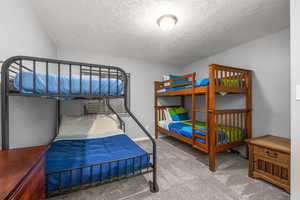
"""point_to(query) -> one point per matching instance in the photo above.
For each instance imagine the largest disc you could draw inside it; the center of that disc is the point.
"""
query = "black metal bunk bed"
(67, 80)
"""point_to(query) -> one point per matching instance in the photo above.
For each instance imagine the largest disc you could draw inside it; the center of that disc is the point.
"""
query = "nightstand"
(269, 159)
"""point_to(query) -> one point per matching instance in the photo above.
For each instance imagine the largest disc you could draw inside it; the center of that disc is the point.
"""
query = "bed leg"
(153, 187)
(212, 161)
(156, 133)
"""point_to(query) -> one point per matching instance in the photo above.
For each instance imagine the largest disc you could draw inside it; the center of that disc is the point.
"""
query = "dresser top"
(272, 142)
(15, 164)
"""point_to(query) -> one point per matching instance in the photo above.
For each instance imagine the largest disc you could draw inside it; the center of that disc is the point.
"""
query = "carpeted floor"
(183, 175)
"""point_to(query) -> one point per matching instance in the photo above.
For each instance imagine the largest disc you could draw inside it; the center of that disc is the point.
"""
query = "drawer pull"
(273, 155)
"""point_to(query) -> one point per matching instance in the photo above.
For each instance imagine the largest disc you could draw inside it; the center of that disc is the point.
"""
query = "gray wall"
(143, 75)
(32, 120)
(295, 105)
(269, 58)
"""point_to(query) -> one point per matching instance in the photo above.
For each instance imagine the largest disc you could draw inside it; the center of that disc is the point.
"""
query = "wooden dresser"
(269, 159)
(22, 173)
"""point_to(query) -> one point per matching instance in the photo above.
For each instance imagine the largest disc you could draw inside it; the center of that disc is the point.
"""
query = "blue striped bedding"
(186, 130)
(64, 154)
(199, 83)
(104, 86)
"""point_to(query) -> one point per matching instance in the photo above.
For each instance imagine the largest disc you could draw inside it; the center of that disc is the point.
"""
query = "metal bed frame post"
(4, 107)
(57, 116)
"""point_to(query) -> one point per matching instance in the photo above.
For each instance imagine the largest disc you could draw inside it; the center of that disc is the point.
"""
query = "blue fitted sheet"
(104, 86)
(186, 130)
(65, 154)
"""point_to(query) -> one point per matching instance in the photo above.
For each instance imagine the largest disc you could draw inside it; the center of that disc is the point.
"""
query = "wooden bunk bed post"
(193, 107)
(248, 102)
(156, 85)
(207, 118)
(211, 118)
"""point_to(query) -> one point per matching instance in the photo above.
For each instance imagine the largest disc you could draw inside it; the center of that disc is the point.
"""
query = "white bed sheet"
(164, 124)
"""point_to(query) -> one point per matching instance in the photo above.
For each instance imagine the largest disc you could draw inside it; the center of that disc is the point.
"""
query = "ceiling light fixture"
(167, 22)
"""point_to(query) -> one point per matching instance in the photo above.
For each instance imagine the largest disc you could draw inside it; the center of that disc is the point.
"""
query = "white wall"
(32, 119)
(142, 74)
(295, 105)
(269, 58)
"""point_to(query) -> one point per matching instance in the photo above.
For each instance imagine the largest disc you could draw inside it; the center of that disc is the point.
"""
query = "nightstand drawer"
(271, 154)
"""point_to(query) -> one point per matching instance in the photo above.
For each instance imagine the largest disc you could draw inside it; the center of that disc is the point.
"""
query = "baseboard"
(140, 139)
(146, 138)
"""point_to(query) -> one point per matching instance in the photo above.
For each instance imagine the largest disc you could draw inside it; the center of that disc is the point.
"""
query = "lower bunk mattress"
(226, 134)
(118, 156)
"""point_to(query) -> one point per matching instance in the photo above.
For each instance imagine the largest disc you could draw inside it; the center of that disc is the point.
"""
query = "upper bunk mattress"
(103, 86)
(65, 154)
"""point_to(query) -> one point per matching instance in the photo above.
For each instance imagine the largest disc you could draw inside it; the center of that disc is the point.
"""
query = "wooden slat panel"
(233, 69)
(231, 111)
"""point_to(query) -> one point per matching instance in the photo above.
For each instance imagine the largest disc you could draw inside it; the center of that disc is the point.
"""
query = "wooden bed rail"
(163, 84)
(229, 79)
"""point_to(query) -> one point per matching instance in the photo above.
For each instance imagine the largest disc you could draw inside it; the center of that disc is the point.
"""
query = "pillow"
(88, 126)
(167, 115)
(165, 78)
(178, 114)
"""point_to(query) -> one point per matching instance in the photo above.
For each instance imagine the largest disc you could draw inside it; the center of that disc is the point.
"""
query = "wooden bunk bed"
(224, 80)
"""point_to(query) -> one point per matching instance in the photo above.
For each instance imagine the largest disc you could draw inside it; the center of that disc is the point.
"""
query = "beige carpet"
(183, 175)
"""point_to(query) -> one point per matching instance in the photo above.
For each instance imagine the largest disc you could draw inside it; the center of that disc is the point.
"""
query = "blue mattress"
(186, 131)
(199, 83)
(64, 154)
(104, 86)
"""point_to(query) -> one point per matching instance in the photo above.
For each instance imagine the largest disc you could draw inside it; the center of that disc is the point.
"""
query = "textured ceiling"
(128, 28)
